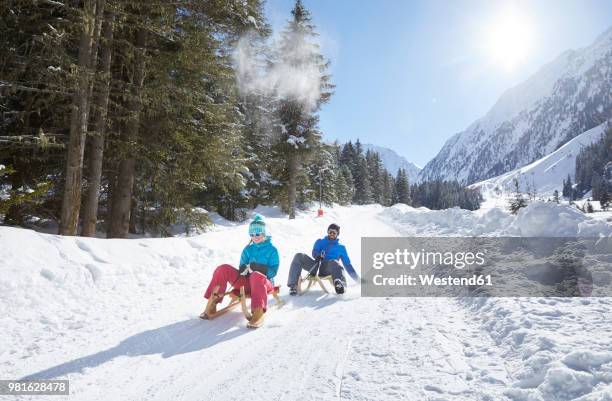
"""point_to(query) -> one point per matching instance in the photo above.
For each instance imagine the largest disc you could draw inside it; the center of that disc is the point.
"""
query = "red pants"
(256, 284)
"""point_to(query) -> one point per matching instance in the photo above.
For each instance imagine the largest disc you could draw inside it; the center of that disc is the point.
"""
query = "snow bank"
(74, 287)
(549, 219)
(557, 348)
(452, 222)
(538, 219)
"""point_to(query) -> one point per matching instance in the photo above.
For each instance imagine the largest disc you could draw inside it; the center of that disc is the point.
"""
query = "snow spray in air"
(293, 71)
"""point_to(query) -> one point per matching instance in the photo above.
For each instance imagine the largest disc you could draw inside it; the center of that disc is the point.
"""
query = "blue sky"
(410, 74)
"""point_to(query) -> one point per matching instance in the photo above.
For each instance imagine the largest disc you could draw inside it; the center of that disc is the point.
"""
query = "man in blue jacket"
(325, 255)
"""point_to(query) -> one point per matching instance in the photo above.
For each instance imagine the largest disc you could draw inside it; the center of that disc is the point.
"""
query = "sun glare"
(509, 40)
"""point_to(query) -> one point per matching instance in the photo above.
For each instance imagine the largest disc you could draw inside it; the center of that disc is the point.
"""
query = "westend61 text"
(432, 280)
(413, 259)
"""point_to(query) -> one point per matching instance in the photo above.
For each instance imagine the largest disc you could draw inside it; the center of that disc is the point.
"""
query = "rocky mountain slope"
(565, 98)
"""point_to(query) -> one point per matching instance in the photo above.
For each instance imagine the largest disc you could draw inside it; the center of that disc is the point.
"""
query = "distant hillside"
(547, 173)
(392, 161)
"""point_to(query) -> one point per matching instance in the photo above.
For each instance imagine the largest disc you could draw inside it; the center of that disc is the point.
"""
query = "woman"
(258, 266)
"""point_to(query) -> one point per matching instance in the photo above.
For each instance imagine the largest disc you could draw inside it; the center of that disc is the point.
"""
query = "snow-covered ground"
(119, 319)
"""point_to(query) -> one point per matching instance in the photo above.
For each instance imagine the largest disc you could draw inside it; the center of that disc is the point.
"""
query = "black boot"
(292, 290)
(339, 286)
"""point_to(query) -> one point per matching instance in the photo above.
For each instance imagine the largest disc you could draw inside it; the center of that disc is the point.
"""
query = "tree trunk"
(71, 200)
(110, 195)
(122, 197)
(90, 206)
(14, 215)
(293, 172)
(133, 229)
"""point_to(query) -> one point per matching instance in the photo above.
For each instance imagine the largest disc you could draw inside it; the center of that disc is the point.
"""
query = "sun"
(509, 40)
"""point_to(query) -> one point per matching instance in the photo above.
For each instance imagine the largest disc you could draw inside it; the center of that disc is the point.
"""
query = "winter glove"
(258, 267)
(244, 270)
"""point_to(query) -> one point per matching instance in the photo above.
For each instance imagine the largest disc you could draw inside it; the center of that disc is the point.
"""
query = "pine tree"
(402, 187)
(90, 23)
(363, 192)
(322, 172)
(38, 48)
(387, 189)
(358, 147)
(604, 199)
(99, 112)
(597, 184)
(258, 128)
(190, 126)
(348, 156)
(518, 201)
(345, 188)
(375, 176)
(568, 190)
(298, 117)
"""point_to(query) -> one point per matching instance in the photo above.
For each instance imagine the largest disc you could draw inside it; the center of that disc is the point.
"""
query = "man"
(325, 255)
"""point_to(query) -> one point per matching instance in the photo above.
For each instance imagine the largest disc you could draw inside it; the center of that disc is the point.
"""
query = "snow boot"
(293, 290)
(339, 286)
(257, 318)
(210, 310)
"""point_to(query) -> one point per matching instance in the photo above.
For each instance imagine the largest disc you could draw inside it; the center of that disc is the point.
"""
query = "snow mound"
(549, 219)
(550, 357)
(538, 219)
(447, 222)
(586, 360)
(565, 384)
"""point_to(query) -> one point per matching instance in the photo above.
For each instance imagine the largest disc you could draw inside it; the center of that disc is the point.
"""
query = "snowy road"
(119, 319)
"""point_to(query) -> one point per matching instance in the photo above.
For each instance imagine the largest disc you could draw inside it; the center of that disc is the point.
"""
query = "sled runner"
(309, 280)
(257, 321)
(210, 311)
(237, 296)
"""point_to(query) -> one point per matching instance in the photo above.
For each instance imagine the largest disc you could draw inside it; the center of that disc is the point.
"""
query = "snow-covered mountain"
(547, 173)
(563, 99)
(392, 161)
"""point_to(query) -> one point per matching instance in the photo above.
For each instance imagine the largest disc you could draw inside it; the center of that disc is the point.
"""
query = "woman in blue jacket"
(258, 265)
(328, 251)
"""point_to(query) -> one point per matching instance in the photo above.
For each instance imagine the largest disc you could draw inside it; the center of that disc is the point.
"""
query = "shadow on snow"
(174, 339)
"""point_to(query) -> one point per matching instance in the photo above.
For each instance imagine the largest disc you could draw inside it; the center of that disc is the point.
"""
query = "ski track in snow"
(147, 343)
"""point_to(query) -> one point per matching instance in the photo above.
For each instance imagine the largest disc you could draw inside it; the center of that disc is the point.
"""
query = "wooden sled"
(238, 296)
(309, 280)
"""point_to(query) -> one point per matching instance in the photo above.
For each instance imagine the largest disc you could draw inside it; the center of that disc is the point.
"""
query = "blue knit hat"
(258, 225)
